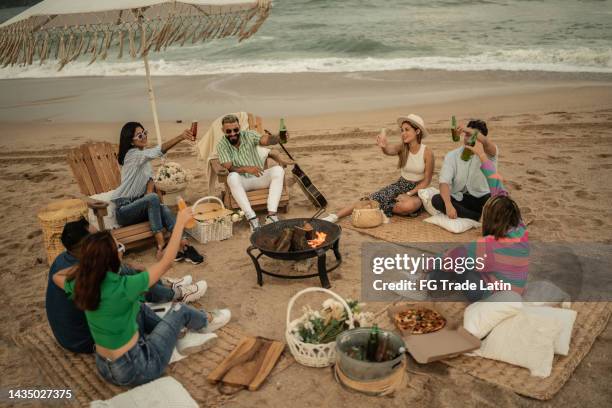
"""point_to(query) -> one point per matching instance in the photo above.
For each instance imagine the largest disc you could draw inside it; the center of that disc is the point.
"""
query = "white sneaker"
(331, 218)
(194, 342)
(254, 224)
(176, 282)
(193, 292)
(220, 317)
(270, 219)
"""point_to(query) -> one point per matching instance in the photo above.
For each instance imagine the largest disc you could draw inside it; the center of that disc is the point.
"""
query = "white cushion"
(565, 318)
(525, 340)
(110, 220)
(457, 226)
(425, 195)
(545, 293)
(481, 317)
(161, 393)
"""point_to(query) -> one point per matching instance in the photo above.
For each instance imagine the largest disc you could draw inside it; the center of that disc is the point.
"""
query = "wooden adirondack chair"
(257, 198)
(96, 170)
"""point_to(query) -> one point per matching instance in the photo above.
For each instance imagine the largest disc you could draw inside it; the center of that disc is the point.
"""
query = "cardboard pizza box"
(449, 341)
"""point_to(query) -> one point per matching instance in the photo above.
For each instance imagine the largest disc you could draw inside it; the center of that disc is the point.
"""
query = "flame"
(319, 240)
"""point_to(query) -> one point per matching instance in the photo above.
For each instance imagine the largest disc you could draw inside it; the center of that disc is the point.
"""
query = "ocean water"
(380, 35)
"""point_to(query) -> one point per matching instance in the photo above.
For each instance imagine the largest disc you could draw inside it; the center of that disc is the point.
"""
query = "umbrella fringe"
(132, 44)
(121, 41)
(21, 43)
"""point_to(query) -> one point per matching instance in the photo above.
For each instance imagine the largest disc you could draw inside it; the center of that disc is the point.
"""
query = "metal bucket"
(366, 370)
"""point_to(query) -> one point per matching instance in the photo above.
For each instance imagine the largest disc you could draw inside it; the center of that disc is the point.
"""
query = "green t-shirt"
(243, 156)
(113, 323)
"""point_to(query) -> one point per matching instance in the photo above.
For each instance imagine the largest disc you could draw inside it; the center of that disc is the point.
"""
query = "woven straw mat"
(404, 229)
(591, 321)
(66, 370)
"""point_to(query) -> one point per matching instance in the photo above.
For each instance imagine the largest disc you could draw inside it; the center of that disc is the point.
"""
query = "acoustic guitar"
(314, 195)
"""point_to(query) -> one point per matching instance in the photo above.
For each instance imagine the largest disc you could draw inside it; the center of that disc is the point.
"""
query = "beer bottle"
(467, 153)
(182, 205)
(372, 344)
(381, 350)
(282, 131)
(454, 132)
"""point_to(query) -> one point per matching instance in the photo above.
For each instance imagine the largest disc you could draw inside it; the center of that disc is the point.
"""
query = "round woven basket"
(313, 355)
(367, 214)
(171, 187)
(52, 219)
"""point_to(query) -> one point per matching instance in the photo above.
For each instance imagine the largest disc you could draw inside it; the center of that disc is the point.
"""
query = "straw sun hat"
(414, 120)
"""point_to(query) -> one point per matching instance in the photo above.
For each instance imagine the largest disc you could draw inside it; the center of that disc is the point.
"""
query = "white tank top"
(414, 170)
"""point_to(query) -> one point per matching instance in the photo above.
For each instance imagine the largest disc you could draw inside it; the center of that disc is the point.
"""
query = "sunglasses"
(142, 135)
(120, 247)
(232, 131)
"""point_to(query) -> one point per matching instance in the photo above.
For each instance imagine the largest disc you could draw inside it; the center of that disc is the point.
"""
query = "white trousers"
(272, 178)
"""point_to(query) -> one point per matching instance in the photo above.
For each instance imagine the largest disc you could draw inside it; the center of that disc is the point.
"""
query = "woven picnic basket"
(367, 214)
(213, 220)
(313, 355)
(52, 219)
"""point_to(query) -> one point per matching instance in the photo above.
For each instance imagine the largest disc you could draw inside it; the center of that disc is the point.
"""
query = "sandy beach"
(554, 132)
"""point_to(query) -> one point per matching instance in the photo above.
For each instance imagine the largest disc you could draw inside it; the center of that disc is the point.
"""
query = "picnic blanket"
(591, 321)
(66, 370)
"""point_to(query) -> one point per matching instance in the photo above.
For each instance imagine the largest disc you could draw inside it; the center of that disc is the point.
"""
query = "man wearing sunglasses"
(238, 154)
(68, 323)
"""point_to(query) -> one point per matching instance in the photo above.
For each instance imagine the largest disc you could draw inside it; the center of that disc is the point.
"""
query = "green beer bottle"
(454, 132)
(467, 153)
(372, 344)
(282, 132)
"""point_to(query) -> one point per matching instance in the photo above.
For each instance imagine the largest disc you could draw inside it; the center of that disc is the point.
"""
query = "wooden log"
(301, 236)
(283, 243)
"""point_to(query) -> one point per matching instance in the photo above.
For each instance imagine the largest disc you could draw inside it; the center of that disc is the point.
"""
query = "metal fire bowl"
(265, 235)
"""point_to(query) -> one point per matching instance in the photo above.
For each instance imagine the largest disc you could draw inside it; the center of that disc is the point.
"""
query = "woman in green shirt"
(112, 305)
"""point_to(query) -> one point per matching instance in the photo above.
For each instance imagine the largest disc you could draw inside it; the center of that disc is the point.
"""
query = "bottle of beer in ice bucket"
(467, 153)
(372, 344)
(282, 131)
(182, 205)
(454, 132)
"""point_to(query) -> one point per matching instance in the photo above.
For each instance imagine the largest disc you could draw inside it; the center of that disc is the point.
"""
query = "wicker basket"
(313, 355)
(213, 221)
(52, 219)
(367, 214)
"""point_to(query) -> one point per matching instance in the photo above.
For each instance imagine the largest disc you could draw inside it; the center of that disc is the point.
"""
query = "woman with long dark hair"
(112, 306)
(135, 197)
(416, 164)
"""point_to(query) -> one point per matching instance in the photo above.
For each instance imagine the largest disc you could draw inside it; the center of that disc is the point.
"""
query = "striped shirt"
(244, 155)
(507, 258)
(136, 172)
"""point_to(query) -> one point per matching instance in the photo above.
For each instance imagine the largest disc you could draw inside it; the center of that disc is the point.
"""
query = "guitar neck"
(288, 154)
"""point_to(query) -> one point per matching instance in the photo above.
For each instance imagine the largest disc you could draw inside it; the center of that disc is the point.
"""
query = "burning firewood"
(283, 243)
(301, 236)
(319, 240)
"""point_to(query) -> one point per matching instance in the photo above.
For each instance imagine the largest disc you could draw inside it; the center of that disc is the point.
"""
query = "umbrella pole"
(152, 99)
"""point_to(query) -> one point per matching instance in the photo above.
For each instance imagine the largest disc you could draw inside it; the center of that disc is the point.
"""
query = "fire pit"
(265, 240)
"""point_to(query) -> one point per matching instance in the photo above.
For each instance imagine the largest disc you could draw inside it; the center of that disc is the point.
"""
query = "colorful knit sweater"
(505, 259)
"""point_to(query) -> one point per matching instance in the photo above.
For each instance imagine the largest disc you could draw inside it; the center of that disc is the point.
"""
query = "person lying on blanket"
(504, 246)
(463, 188)
(68, 323)
(135, 198)
(238, 154)
(416, 162)
(112, 306)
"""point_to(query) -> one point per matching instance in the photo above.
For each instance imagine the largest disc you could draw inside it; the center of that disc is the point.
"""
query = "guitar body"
(309, 189)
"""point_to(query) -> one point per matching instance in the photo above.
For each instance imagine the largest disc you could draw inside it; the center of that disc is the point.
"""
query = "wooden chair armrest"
(218, 169)
(96, 204)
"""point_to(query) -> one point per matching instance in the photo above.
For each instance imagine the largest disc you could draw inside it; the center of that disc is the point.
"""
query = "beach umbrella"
(66, 29)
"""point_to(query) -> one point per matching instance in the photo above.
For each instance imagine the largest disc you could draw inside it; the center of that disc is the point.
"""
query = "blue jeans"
(148, 358)
(157, 293)
(147, 207)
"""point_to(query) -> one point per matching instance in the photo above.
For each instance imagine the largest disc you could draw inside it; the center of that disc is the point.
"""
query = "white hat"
(414, 120)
